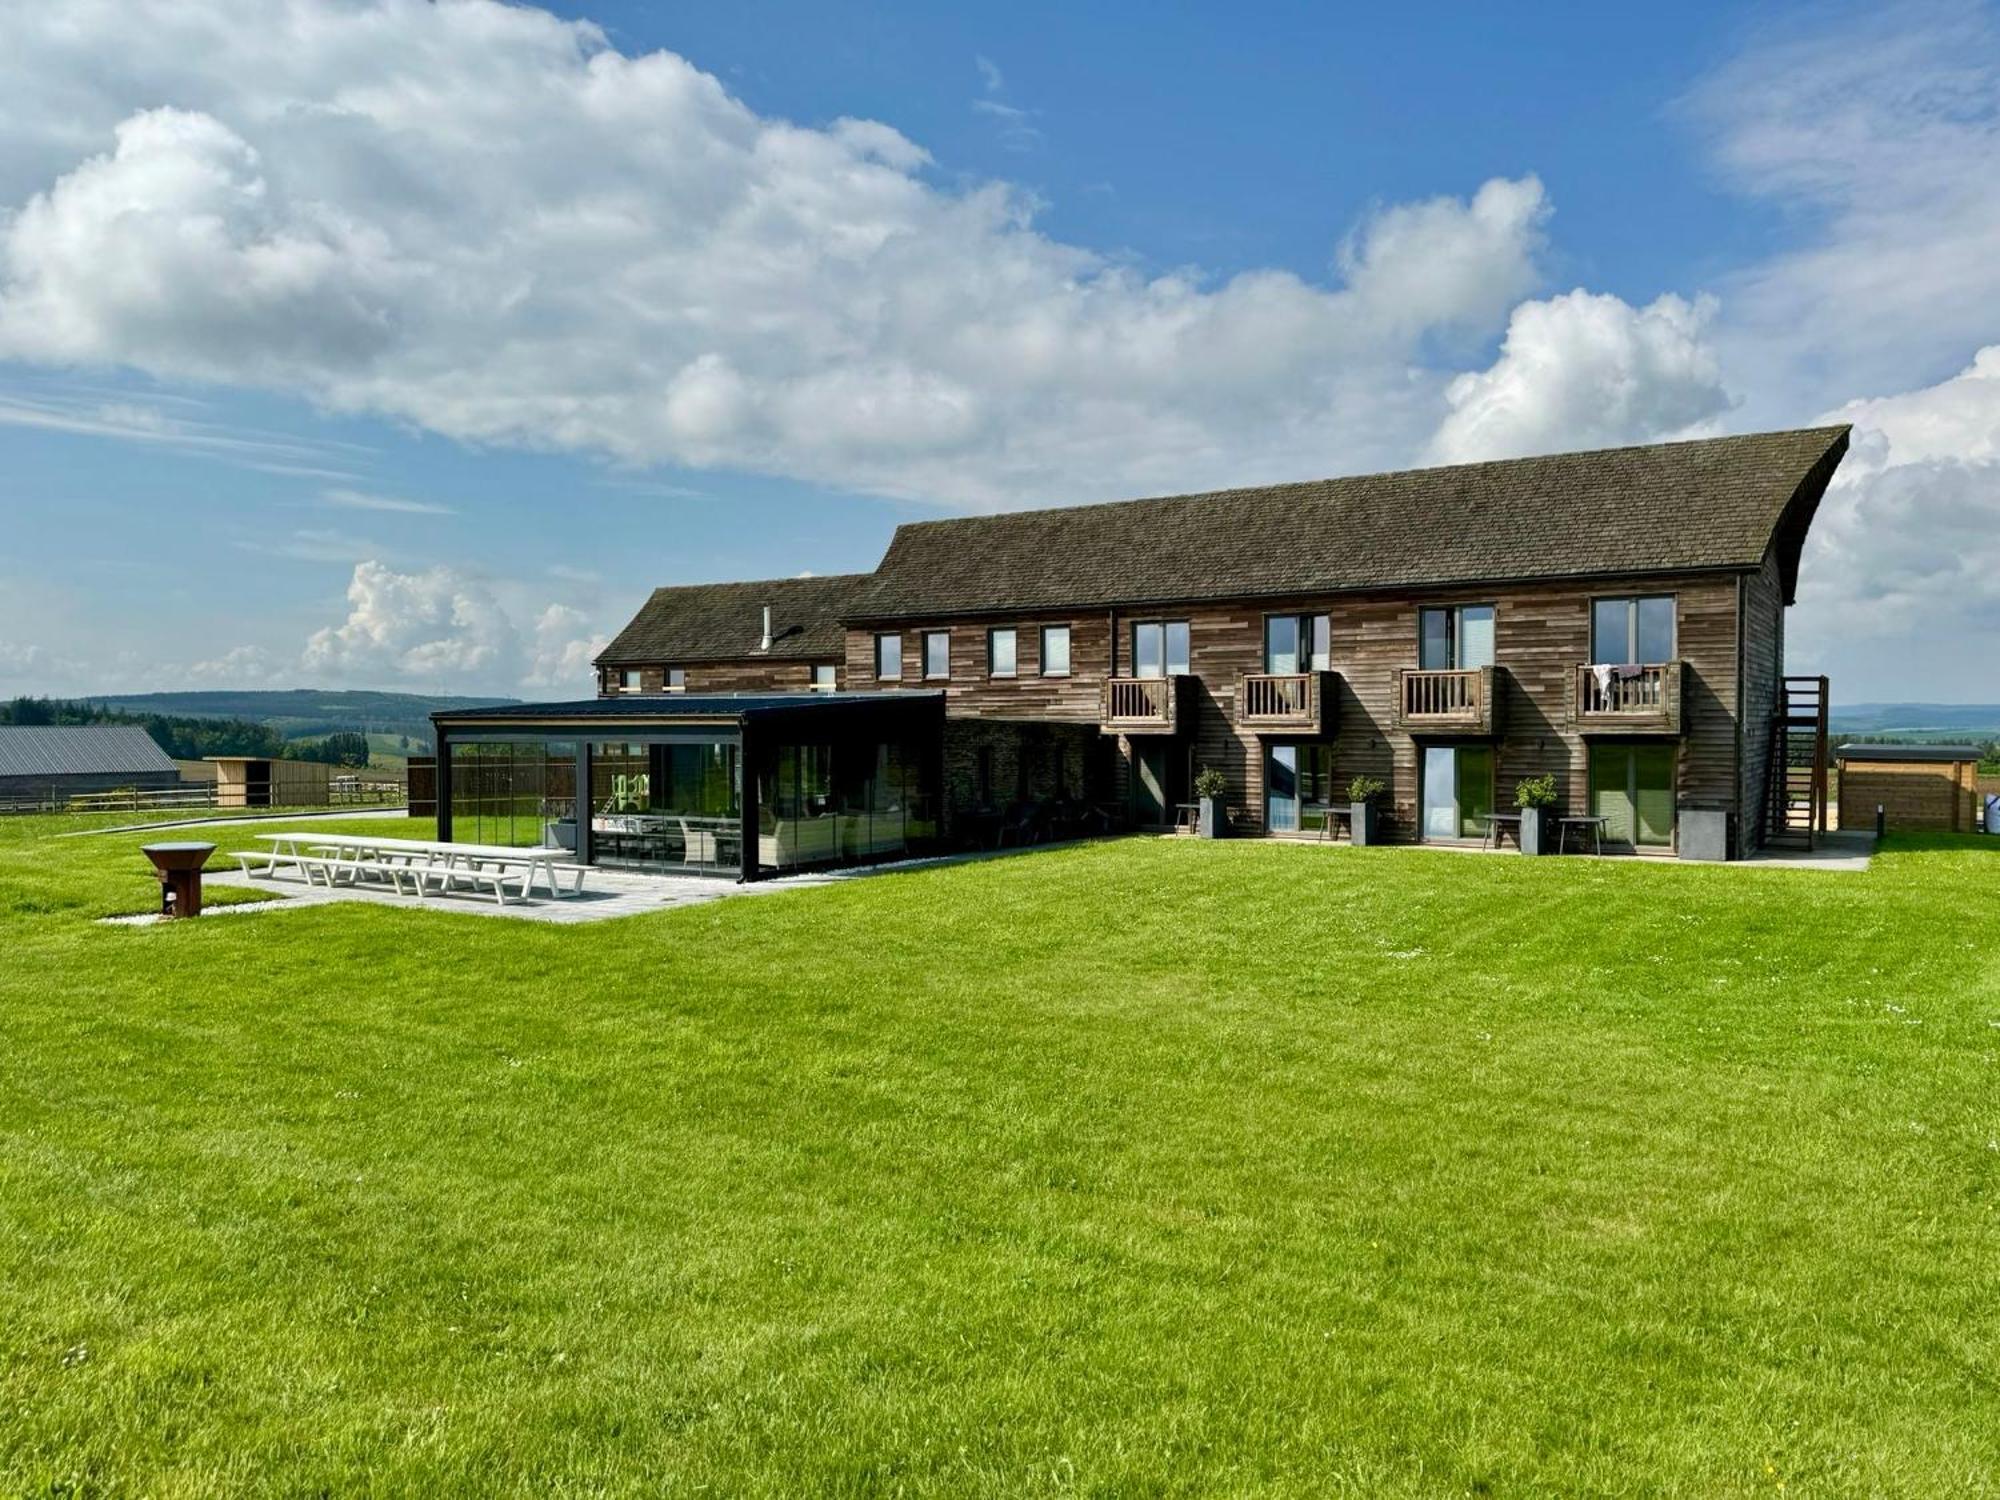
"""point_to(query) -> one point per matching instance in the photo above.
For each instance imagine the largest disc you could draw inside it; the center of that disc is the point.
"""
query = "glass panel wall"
(667, 806)
(843, 802)
(521, 795)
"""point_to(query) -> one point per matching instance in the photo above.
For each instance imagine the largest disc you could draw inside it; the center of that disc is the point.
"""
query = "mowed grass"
(1148, 1167)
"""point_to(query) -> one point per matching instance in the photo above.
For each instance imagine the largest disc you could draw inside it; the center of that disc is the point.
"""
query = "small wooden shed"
(245, 781)
(1920, 788)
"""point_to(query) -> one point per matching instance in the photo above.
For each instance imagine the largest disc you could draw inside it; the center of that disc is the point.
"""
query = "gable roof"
(1716, 503)
(81, 750)
(725, 622)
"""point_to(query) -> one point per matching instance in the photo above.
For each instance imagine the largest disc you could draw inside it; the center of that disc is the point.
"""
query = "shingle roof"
(1690, 506)
(725, 621)
(80, 750)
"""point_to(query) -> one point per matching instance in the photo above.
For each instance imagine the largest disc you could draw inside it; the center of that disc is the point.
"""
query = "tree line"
(193, 739)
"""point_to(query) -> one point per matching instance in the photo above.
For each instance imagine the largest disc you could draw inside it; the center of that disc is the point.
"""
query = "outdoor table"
(538, 862)
(1328, 813)
(1495, 823)
(1187, 816)
(1594, 824)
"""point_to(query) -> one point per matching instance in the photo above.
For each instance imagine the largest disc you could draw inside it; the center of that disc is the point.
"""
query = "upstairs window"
(888, 658)
(677, 679)
(1297, 643)
(1160, 648)
(937, 655)
(1633, 630)
(825, 677)
(631, 680)
(1456, 638)
(1055, 650)
(1001, 647)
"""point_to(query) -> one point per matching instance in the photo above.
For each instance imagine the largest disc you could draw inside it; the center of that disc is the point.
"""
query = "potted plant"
(1535, 796)
(1363, 795)
(1209, 785)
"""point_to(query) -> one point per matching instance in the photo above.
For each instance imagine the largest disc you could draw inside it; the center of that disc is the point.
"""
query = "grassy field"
(1147, 1167)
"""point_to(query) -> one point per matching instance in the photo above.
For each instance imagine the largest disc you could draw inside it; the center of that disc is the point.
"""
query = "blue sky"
(406, 346)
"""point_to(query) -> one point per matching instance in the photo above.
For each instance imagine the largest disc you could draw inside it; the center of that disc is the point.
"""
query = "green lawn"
(1144, 1167)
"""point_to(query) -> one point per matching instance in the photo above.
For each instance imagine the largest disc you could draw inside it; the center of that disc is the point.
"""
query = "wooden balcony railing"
(1298, 701)
(1641, 699)
(1458, 700)
(1142, 705)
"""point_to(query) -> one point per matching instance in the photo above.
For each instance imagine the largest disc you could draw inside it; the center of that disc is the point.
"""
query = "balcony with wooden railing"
(1637, 699)
(1143, 705)
(1293, 702)
(1455, 701)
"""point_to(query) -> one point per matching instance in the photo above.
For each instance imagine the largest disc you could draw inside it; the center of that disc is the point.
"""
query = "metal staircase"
(1796, 780)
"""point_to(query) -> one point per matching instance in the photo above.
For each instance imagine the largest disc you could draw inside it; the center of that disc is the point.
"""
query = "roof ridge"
(1828, 430)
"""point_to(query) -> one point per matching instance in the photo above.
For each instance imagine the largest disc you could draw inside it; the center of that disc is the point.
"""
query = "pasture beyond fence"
(341, 791)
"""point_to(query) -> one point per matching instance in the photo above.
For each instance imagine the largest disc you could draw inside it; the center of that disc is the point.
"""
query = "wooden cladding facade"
(1541, 638)
(749, 676)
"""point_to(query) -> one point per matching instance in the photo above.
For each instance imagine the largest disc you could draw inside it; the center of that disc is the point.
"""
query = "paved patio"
(607, 893)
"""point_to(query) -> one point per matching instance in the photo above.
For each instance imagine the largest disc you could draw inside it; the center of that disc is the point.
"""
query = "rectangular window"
(826, 677)
(1000, 646)
(677, 679)
(937, 654)
(1160, 648)
(1632, 631)
(1457, 638)
(1297, 643)
(888, 658)
(631, 680)
(1055, 650)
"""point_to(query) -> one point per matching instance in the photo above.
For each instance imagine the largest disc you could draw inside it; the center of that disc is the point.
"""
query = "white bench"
(253, 859)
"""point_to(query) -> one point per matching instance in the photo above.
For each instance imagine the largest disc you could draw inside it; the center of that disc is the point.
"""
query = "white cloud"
(1901, 582)
(1587, 371)
(346, 499)
(443, 625)
(487, 222)
(561, 650)
(1879, 137)
(1878, 133)
(240, 666)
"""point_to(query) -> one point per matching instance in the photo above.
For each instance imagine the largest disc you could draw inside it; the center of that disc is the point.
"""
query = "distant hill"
(300, 713)
(1918, 721)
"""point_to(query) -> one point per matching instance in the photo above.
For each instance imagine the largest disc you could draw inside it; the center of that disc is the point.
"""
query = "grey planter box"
(1366, 823)
(1538, 830)
(1214, 819)
(1704, 833)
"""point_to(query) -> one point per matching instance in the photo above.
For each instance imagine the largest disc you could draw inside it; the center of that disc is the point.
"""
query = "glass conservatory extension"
(736, 785)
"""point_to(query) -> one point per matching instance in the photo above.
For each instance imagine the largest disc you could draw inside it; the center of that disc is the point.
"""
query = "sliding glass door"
(1457, 790)
(1632, 789)
(1298, 783)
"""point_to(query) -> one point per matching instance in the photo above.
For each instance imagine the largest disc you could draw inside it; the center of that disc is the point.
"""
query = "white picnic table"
(420, 861)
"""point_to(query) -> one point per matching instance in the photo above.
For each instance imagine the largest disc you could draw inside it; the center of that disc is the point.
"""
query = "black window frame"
(1453, 635)
(1165, 625)
(1632, 603)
